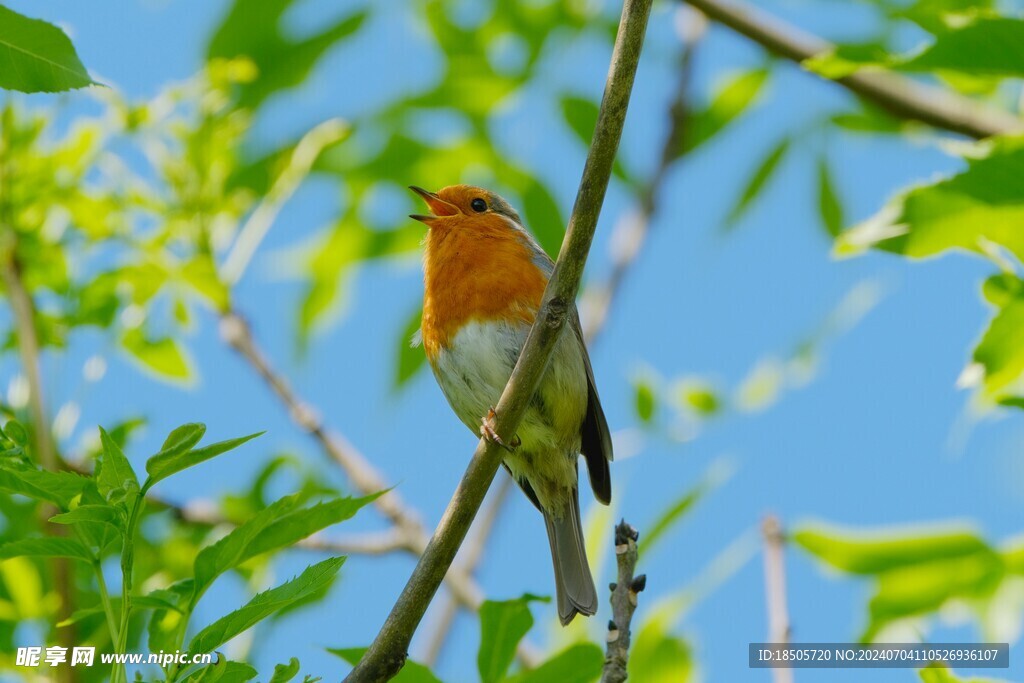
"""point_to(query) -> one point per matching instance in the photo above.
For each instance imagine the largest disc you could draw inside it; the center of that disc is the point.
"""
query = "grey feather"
(574, 585)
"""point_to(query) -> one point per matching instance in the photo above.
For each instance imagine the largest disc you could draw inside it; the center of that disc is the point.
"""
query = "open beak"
(438, 206)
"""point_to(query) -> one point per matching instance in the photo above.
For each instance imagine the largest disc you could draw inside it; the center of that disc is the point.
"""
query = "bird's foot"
(487, 431)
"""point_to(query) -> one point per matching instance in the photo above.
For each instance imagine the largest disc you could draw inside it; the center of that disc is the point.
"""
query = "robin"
(484, 276)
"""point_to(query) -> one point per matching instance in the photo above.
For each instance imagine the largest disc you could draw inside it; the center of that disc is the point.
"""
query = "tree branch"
(775, 590)
(469, 558)
(900, 96)
(387, 654)
(624, 598)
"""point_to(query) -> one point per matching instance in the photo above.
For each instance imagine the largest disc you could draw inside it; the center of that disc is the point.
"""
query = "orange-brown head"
(480, 264)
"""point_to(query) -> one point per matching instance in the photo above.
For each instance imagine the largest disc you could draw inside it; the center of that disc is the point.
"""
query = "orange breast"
(476, 271)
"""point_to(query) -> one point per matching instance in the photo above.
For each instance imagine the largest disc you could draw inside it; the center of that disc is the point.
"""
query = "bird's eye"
(478, 205)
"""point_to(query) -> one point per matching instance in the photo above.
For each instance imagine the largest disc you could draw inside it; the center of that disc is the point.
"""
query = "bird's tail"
(574, 586)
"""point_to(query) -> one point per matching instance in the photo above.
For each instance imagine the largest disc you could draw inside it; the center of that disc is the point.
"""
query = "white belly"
(472, 372)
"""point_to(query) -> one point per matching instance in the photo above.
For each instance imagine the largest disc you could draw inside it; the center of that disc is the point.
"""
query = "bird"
(484, 276)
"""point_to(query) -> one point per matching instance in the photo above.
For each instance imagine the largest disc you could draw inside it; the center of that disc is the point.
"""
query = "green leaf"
(867, 553)
(502, 626)
(411, 672)
(265, 604)
(983, 204)
(279, 525)
(178, 457)
(115, 472)
(728, 103)
(410, 352)
(46, 547)
(16, 432)
(37, 57)
(989, 46)
(57, 487)
(757, 182)
(1000, 351)
(829, 207)
(580, 663)
(645, 400)
(291, 527)
(253, 29)
(183, 438)
(285, 672)
(163, 357)
(103, 514)
(222, 671)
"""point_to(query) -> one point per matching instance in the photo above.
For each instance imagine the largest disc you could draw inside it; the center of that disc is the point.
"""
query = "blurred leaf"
(16, 432)
(139, 602)
(543, 216)
(410, 352)
(334, 258)
(843, 60)
(987, 46)
(580, 663)
(265, 604)
(927, 586)
(764, 172)
(37, 56)
(869, 119)
(671, 516)
(115, 472)
(875, 553)
(731, 100)
(700, 397)
(1000, 351)
(46, 547)
(658, 656)
(180, 456)
(411, 672)
(939, 673)
(252, 28)
(56, 487)
(829, 207)
(581, 115)
(502, 626)
(645, 399)
(285, 672)
(165, 357)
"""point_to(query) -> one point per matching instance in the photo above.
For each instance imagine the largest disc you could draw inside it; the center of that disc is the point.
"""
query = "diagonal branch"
(387, 654)
(900, 96)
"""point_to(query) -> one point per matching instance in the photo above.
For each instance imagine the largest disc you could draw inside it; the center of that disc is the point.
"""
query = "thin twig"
(623, 599)
(775, 590)
(387, 654)
(631, 231)
(903, 97)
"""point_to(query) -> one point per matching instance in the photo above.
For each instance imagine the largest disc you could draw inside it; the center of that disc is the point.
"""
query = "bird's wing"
(596, 440)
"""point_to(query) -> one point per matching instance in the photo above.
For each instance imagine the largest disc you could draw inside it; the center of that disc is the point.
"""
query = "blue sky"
(871, 441)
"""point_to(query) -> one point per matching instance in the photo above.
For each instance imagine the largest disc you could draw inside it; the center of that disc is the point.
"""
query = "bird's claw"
(487, 431)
